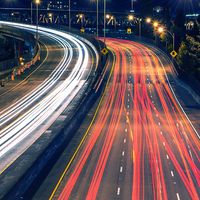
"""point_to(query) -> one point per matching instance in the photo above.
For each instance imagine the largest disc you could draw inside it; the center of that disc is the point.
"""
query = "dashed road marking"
(124, 140)
(123, 153)
(118, 191)
(178, 197)
(167, 157)
(172, 173)
(163, 144)
(121, 169)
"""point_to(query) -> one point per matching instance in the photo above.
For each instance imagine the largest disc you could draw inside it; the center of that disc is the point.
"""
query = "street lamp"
(140, 26)
(105, 22)
(155, 24)
(37, 2)
(69, 15)
(130, 17)
(148, 20)
(107, 16)
(161, 30)
(97, 18)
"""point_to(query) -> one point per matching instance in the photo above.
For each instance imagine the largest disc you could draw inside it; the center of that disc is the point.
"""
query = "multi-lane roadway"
(29, 109)
(140, 144)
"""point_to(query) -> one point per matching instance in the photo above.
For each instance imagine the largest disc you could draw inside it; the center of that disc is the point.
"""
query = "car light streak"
(27, 114)
(157, 124)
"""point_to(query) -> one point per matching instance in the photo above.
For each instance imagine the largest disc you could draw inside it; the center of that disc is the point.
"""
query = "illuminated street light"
(37, 2)
(130, 17)
(107, 16)
(160, 29)
(155, 24)
(148, 20)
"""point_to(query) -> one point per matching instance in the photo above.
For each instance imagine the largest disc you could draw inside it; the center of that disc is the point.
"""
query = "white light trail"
(23, 117)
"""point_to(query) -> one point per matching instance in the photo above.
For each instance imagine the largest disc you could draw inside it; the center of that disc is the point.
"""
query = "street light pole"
(97, 18)
(105, 22)
(140, 27)
(37, 5)
(69, 15)
(172, 35)
(31, 12)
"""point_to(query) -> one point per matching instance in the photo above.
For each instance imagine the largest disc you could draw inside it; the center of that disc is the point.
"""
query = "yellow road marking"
(84, 137)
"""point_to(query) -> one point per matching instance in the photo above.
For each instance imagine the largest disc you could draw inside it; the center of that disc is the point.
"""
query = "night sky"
(118, 5)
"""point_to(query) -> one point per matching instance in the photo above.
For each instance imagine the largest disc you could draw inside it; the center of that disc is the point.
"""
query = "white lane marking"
(159, 123)
(163, 144)
(126, 130)
(128, 106)
(178, 197)
(123, 153)
(175, 95)
(190, 154)
(118, 191)
(167, 157)
(121, 169)
(124, 140)
(172, 173)
(161, 132)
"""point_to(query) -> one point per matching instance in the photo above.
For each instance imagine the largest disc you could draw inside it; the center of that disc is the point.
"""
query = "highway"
(140, 143)
(23, 121)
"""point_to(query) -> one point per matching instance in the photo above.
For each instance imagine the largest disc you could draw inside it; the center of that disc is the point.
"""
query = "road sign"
(104, 51)
(129, 30)
(82, 30)
(173, 54)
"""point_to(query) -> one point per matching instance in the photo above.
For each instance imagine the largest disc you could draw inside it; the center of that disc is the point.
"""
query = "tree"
(189, 55)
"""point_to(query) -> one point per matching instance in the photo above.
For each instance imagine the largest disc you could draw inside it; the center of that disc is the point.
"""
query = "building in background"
(58, 4)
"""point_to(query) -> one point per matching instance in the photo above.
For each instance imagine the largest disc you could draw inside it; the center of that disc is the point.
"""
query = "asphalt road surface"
(141, 144)
(43, 97)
